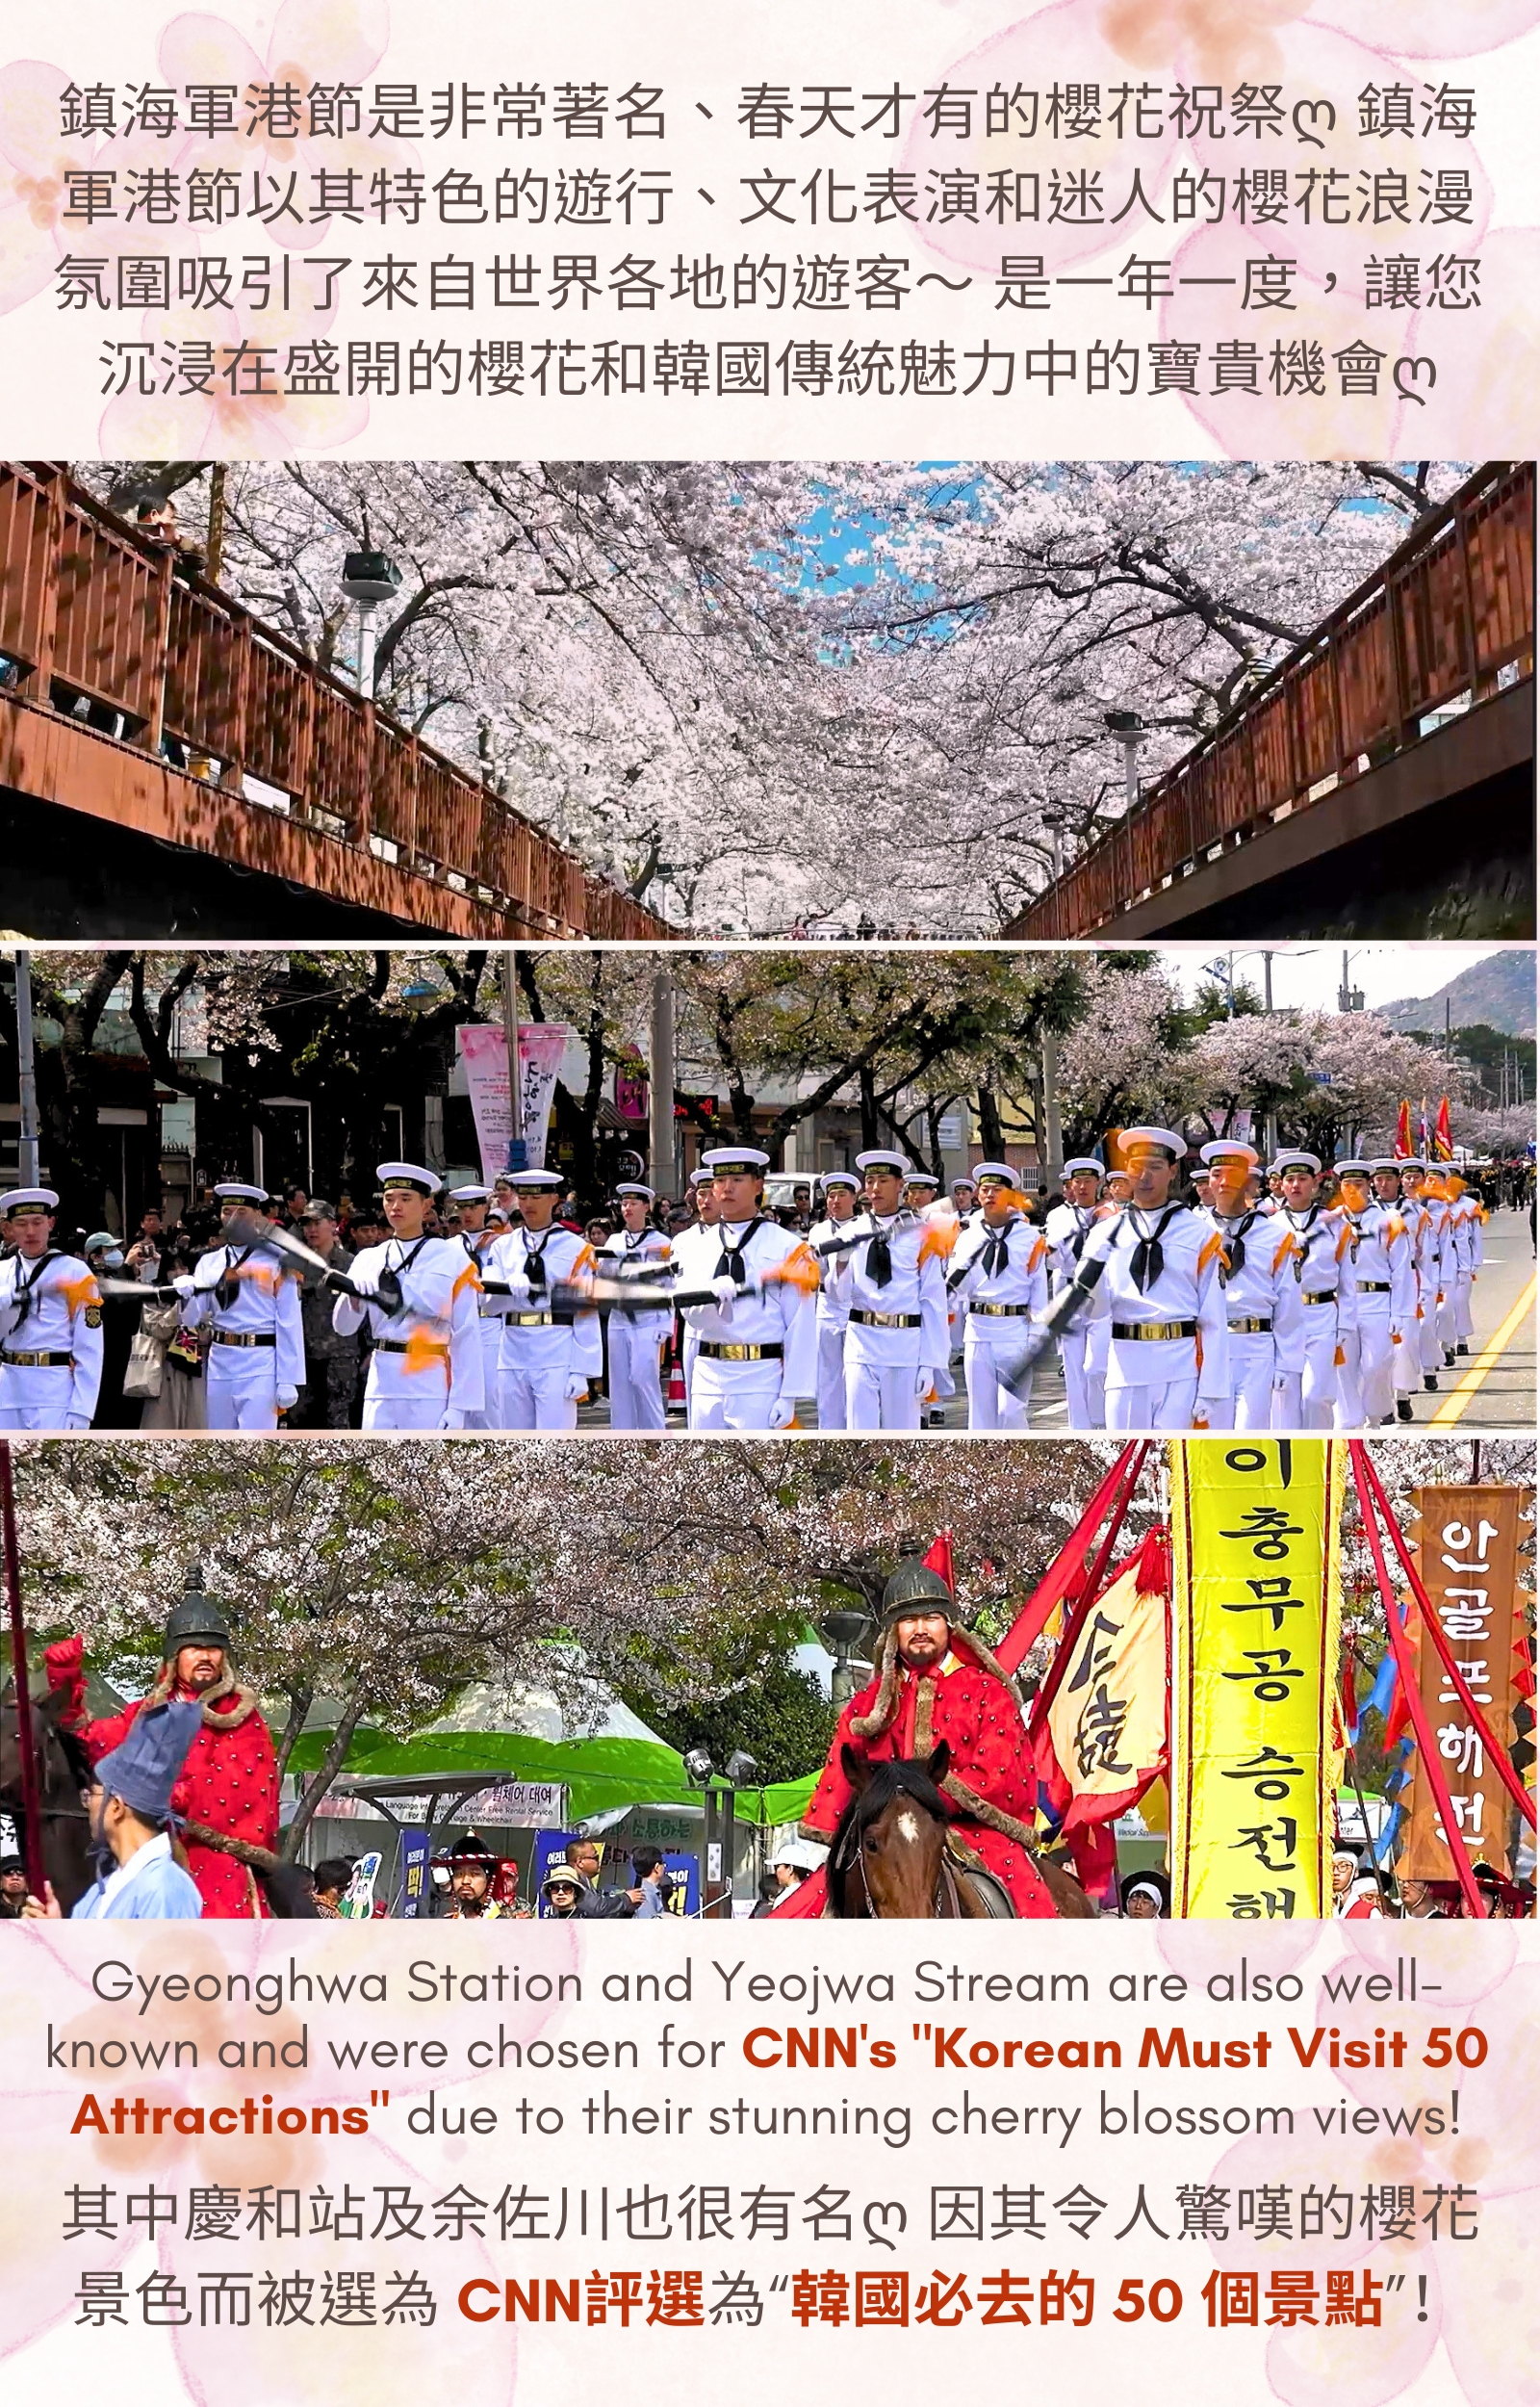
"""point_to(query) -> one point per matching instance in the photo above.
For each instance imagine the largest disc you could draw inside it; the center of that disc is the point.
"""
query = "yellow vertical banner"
(1255, 1634)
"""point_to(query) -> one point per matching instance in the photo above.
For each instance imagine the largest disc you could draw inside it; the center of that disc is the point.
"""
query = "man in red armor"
(936, 1681)
(229, 1782)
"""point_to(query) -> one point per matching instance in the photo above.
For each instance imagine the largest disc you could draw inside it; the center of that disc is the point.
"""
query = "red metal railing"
(93, 620)
(1448, 613)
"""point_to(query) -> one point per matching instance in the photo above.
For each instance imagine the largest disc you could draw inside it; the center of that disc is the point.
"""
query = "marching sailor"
(476, 1235)
(419, 1297)
(1083, 1347)
(754, 1348)
(50, 1321)
(1405, 1365)
(1378, 1272)
(895, 1284)
(1306, 1394)
(548, 1357)
(1425, 1234)
(841, 1189)
(1468, 1215)
(1169, 1358)
(1000, 1276)
(244, 1291)
(636, 1339)
(1262, 1304)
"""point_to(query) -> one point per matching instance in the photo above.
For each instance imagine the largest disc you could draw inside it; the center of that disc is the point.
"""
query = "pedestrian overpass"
(172, 766)
(1378, 783)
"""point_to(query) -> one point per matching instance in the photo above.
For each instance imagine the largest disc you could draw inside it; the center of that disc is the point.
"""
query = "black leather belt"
(740, 1354)
(1152, 1332)
(1259, 1324)
(39, 1361)
(1373, 1286)
(1001, 1311)
(406, 1345)
(890, 1320)
(245, 1337)
(527, 1320)
(1322, 1295)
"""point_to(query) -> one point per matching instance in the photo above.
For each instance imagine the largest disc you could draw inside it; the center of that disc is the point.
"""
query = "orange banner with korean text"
(1468, 1558)
(1255, 1634)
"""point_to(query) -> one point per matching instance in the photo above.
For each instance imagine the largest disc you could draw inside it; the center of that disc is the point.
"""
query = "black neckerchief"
(25, 1293)
(228, 1288)
(729, 1262)
(1235, 1246)
(1082, 1229)
(880, 1251)
(534, 1261)
(1149, 1255)
(995, 1250)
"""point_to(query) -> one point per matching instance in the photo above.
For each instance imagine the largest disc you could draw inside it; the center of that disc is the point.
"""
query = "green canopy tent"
(597, 1774)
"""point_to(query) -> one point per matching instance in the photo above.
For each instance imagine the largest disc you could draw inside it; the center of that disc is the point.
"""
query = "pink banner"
(483, 1048)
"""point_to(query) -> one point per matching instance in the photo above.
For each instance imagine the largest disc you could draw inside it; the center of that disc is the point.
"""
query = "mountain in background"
(1496, 994)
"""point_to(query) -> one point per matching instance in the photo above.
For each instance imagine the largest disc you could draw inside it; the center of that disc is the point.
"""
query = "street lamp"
(1054, 822)
(841, 1630)
(1128, 729)
(369, 579)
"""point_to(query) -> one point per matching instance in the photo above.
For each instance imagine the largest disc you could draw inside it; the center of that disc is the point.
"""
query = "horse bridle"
(948, 1905)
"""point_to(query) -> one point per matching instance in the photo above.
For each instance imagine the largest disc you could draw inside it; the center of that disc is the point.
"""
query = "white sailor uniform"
(1263, 1314)
(999, 1279)
(636, 1339)
(1163, 1275)
(754, 1352)
(251, 1302)
(424, 1369)
(1379, 1275)
(1306, 1396)
(477, 1246)
(544, 1365)
(1082, 1349)
(50, 1342)
(897, 1340)
(831, 1313)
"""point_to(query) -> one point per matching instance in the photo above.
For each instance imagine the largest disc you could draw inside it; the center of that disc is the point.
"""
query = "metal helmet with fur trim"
(193, 1617)
(914, 1589)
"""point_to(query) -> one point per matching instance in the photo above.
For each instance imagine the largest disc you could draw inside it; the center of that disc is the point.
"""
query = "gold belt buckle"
(531, 1320)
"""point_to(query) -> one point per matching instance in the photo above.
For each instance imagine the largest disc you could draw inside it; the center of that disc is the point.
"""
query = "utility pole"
(508, 980)
(660, 1086)
(1053, 1130)
(27, 1141)
(218, 478)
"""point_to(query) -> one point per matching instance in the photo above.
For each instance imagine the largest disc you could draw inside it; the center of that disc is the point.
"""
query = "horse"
(889, 1857)
(63, 1775)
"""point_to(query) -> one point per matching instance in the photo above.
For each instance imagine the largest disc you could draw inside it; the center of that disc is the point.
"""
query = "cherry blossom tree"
(787, 698)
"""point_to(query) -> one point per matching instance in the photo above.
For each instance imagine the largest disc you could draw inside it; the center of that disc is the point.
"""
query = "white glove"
(924, 1382)
(76, 1420)
(518, 1285)
(575, 1390)
(362, 1283)
(453, 1417)
(186, 1287)
(781, 1414)
(727, 1292)
(287, 1399)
